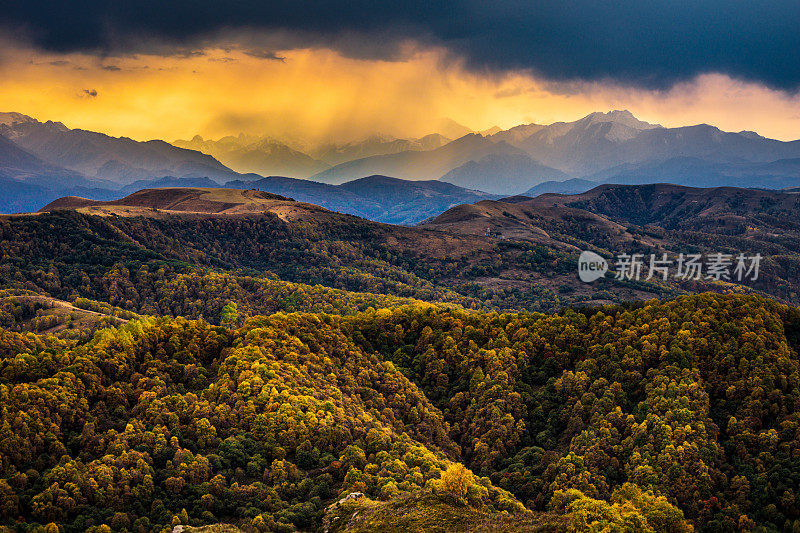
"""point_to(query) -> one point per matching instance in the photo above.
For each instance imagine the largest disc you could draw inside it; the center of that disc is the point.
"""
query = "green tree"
(229, 314)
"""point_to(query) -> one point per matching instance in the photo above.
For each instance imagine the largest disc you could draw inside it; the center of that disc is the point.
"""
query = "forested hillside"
(514, 254)
(157, 263)
(310, 371)
(656, 417)
(652, 219)
(169, 265)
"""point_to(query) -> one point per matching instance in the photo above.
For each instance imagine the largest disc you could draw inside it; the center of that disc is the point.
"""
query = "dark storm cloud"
(646, 43)
(264, 54)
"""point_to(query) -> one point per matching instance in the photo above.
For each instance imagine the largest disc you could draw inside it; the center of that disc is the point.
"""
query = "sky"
(325, 71)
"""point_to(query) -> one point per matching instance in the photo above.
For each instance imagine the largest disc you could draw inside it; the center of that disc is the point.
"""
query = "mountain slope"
(308, 244)
(309, 416)
(258, 155)
(517, 252)
(272, 157)
(323, 194)
(409, 202)
(502, 174)
(20, 197)
(116, 158)
(515, 135)
(216, 201)
(601, 141)
(719, 209)
(771, 218)
(379, 198)
(575, 146)
(570, 186)
(697, 172)
(651, 219)
(27, 182)
(17, 163)
(516, 219)
(171, 182)
(418, 165)
(373, 145)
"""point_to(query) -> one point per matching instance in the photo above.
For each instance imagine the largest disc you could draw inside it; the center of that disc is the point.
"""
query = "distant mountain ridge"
(502, 173)
(97, 155)
(273, 157)
(17, 163)
(44, 160)
(697, 172)
(570, 186)
(379, 198)
(601, 141)
(675, 206)
(687, 171)
(27, 182)
(419, 165)
(754, 217)
(259, 155)
(374, 145)
(603, 147)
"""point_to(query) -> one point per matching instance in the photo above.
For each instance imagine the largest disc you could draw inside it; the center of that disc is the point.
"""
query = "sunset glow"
(317, 94)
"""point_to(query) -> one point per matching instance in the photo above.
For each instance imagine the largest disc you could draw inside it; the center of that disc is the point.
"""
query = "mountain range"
(100, 156)
(699, 172)
(334, 154)
(613, 147)
(420, 165)
(379, 198)
(260, 155)
(188, 356)
(500, 173)
(41, 161)
(269, 156)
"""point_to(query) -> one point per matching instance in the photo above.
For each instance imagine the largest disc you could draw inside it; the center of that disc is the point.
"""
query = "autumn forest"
(321, 375)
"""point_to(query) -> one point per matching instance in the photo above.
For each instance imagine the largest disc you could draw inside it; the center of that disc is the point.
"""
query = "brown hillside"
(608, 210)
(152, 202)
(69, 202)
(159, 203)
(724, 209)
(542, 224)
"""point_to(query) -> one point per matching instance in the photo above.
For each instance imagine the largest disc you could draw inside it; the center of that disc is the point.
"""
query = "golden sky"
(319, 95)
